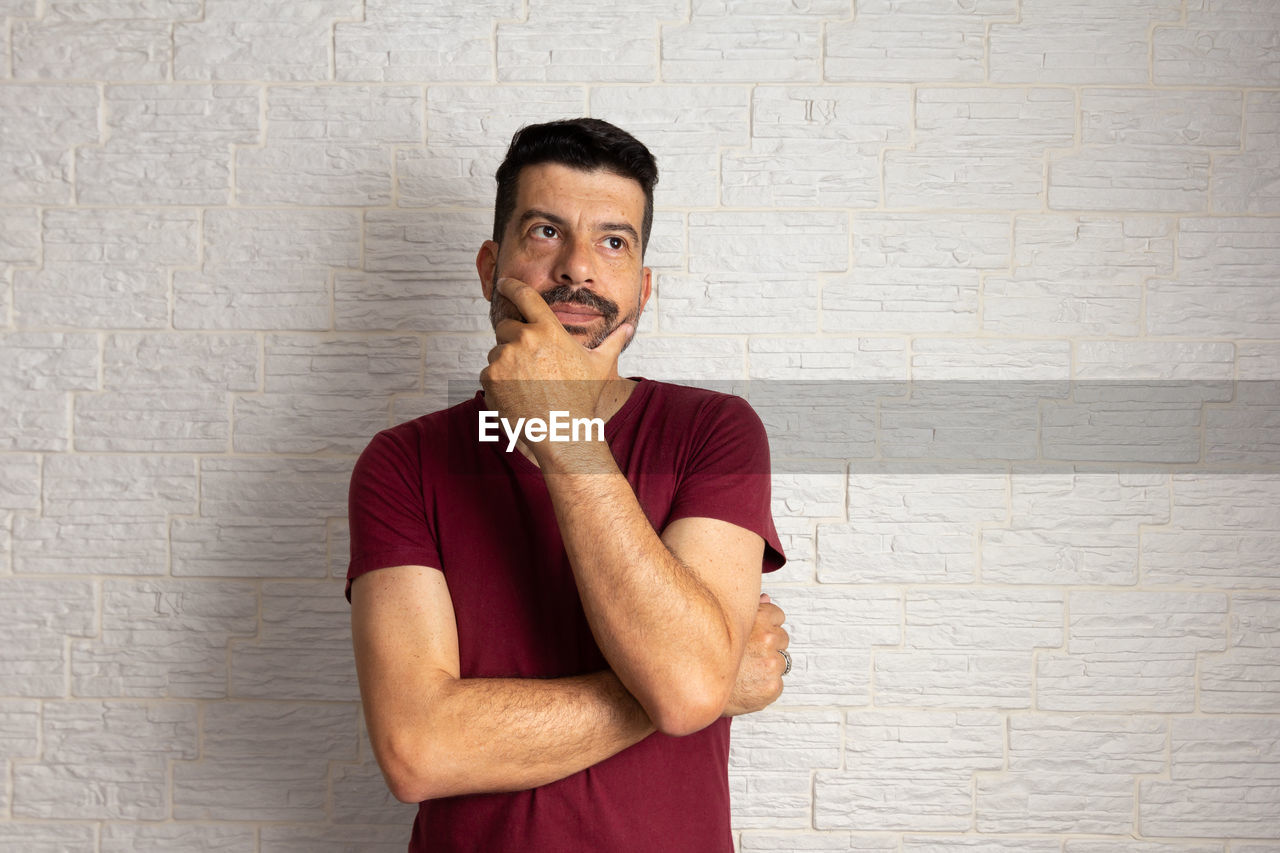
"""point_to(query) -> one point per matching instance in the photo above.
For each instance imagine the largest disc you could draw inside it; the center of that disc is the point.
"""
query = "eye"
(547, 232)
(615, 243)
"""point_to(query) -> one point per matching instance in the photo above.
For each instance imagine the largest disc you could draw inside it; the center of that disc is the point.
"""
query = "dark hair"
(579, 143)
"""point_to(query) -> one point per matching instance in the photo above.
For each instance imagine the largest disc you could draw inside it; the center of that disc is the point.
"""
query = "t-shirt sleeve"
(728, 476)
(386, 508)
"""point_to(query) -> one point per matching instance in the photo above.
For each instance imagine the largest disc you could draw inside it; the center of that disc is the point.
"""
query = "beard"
(501, 308)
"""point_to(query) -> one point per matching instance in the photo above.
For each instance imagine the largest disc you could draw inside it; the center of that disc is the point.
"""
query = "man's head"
(585, 144)
(572, 219)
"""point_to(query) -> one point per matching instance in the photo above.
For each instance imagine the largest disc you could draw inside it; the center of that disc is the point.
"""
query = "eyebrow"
(560, 222)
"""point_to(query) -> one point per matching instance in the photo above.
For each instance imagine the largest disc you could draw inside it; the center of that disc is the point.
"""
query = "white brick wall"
(237, 238)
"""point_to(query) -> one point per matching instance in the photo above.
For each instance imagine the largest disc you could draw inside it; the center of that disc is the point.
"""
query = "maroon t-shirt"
(429, 493)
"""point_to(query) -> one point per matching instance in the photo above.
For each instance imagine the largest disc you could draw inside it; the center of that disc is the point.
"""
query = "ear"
(486, 266)
(646, 288)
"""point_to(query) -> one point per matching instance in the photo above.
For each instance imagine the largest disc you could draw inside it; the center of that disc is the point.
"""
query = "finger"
(528, 301)
(774, 614)
(493, 356)
(764, 598)
(611, 346)
(508, 330)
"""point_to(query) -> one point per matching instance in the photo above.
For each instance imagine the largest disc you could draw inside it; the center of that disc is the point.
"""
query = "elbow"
(410, 773)
(683, 715)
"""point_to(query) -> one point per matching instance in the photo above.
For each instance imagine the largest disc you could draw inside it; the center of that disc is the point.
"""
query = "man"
(550, 642)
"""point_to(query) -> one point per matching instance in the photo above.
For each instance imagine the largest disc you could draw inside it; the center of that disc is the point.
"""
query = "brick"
(731, 241)
(856, 359)
(339, 539)
(1243, 432)
(173, 362)
(470, 128)
(963, 420)
(1246, 679)
(843, 801)
(1076, 845)
(1132, 682)
(51, 837)
(979, 845)
(737, 303)
(556, 42)
(302, 651)
(163, 639)
(1087, 41)
(60, 48)
(19, 728)
(264, 761)
(933, 679)
(778, 741)
(770, 800)
(1222, 533)
(989, 620)
(1224, 781)
(161, 838)
(106, 270)
(1093, 803)
(168, 144)
(1246, 182)
(341, 365)
(685, 127)
(19, 482)
(159, 422)
(1226, 41)
(111, 488)
(922, 745)
(425, 242)
(916, 272)
(1073, 528)
(19, 237)
(261, 518)
(910, 526)
(307, 423)
(1257, 362)
(1145, 623)
(764, 841)
(74, 546)
(247, 547)
(803, 492)
(1172, 360)
(747, 41)
(817, 419)
(420, 40)
(43, 123)
(816, 147)
(1078, 275)
(909, 41)
(108, 759)
(986, 359)
(1105, 744)
(266, 269)
(419, 302)
(38, 616)
(671, 358)
(980, 148)
(329, 145)
(243, 40)
(1161, 118)
(48, 361)
(1122, 177)
(1224, 282)
(323, 838)
(832, 631)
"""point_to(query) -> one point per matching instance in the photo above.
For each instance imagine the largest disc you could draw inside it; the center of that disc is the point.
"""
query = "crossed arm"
(436, 734)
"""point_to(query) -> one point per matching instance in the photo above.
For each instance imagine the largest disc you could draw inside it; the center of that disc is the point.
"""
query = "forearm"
(663, 631)
(486, 735)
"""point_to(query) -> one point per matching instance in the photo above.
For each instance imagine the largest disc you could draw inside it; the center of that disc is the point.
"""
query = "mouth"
(570, 314)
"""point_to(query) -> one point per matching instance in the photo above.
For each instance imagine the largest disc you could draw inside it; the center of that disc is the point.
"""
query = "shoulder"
(703, 409)
(412, 444)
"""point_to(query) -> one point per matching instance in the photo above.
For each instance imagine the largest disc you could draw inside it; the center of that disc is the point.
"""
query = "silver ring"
(787, 658)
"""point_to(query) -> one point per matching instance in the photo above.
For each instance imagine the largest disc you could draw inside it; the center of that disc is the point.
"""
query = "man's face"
(574, 236)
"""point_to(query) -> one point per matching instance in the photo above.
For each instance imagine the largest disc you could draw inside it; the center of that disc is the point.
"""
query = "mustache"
(580, 296)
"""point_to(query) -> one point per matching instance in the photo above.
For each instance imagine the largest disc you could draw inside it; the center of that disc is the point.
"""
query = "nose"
(575, 264)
